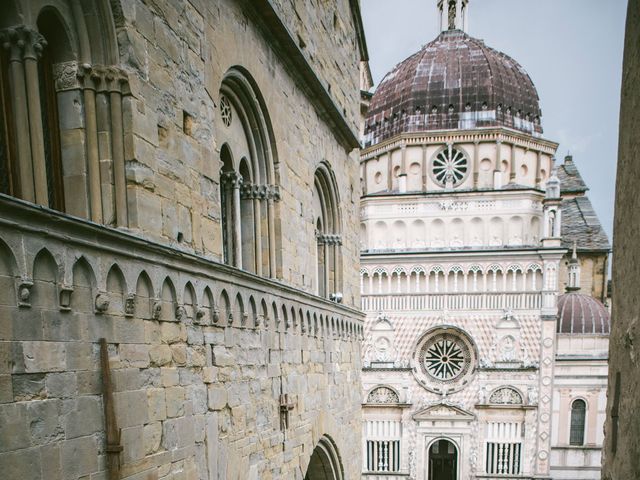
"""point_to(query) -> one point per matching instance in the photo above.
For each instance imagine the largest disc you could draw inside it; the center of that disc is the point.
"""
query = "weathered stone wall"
(622, 430)
(199, 356)
(200, 352)
(177, 55)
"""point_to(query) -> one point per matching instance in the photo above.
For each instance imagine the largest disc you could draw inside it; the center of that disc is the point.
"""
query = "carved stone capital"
(233, 179)
(22, 43)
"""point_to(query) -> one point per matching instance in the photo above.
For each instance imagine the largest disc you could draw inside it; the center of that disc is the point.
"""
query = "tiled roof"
(455, 81)
(570, 178)
(580, 314)
(580, 224)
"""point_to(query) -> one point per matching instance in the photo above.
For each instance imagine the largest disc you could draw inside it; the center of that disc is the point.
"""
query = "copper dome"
(579, 314)
(453, 82)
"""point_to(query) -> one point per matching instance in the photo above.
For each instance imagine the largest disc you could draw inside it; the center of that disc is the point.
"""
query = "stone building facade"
(180, 179)
(476, 363)
(622, 429)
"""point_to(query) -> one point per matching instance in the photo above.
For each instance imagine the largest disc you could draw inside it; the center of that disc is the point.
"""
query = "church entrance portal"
(443, 461)
(325, 462)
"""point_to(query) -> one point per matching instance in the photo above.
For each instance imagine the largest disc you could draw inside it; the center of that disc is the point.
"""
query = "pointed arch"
(45, 280)
(8, 275)
(144, 296)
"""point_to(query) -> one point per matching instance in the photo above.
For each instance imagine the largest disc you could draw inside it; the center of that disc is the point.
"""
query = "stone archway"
(325, 462)
(443, 460)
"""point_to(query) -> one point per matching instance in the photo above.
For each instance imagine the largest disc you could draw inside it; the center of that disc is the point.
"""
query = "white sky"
(572, 50)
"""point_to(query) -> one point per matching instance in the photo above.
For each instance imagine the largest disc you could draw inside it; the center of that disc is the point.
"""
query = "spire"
(453, 14)
(574, 271)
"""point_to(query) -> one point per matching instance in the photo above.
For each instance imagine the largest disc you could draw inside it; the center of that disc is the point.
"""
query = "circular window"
(225, 111)
(450, 166)
(444, 360)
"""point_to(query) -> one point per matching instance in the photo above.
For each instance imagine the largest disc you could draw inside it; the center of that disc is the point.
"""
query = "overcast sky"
(572, 50)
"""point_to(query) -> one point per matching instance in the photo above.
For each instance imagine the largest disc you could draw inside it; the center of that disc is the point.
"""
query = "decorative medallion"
(382, 395)
(444, 360)
(450, 167)
(225, 110)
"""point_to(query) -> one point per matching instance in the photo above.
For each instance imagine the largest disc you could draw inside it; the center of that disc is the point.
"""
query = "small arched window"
(327, 233)
(578, 413)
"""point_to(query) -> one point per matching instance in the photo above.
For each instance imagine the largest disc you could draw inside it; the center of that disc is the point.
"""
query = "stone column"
(274, 196)
(390, 171)
(258, 196)
(115, 80)
(497, 183)
(236, 183)
(364, 176)
(34, 43)
(13, 41)
(424, 168)
(476, 163)
(89, 81)
(538, 167)
(512, 166)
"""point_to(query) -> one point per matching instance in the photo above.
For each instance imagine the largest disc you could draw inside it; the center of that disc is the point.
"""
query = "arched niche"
(325, 462)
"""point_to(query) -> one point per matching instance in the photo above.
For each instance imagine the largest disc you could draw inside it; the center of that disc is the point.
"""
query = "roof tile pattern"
(453, 82)
(580, 224)
(582, 314)
(570, 179)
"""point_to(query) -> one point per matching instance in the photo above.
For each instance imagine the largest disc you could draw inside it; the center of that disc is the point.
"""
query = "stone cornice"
(481, 135)
(265, 15)
(32, 219)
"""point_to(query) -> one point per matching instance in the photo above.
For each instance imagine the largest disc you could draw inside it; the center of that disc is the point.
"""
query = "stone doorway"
(443, 460)
(325, 462)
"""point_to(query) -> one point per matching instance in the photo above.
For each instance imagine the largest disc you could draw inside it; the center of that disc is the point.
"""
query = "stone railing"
(453, 301)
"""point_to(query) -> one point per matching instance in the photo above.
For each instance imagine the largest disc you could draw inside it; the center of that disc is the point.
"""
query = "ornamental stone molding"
(444, 360)
(505, 396)
(383, 395)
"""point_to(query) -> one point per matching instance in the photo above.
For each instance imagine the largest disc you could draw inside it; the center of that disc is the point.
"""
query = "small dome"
(580, 314)
(453, 82)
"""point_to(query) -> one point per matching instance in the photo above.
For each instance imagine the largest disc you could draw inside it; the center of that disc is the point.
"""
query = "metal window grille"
(503, 448)
(382, 445)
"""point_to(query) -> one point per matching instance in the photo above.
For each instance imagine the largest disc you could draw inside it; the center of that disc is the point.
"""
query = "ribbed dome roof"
(453, 82)
(579, 313)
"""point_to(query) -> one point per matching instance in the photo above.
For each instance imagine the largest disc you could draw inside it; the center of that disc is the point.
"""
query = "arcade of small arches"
(454, 279)
(91, 285)
(454, 233)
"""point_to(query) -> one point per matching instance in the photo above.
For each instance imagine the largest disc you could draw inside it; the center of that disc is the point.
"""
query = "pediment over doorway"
(443, 411)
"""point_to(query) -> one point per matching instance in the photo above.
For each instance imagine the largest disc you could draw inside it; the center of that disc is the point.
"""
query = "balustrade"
(454, 301)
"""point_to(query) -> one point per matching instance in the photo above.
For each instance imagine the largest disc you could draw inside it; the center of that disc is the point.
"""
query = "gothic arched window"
(248, 186)
(578, 414)
(327, 233)
(60, 89)
(56, 51)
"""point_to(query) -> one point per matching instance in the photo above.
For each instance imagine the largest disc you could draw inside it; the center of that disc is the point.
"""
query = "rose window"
(444, 360)
(450, 167)
(225, 111)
